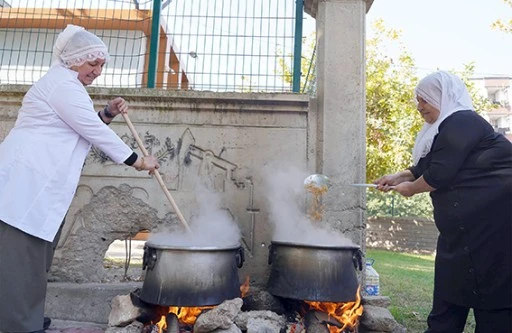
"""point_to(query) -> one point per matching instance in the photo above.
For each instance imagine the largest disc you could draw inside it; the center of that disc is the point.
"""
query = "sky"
(446, 34)
(439, 34)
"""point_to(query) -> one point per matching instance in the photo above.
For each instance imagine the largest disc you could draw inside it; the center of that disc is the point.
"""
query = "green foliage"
(392, 120)
(503, 25)
(308, 69)
(391, 116)
(393, 204)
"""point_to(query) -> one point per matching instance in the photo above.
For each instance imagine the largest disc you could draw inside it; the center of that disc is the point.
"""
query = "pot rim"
(191, 248)
(316, 246)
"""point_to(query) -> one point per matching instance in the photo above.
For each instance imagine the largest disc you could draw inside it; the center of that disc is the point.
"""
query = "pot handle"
(240, 257)
(149, 258)
(357, 259)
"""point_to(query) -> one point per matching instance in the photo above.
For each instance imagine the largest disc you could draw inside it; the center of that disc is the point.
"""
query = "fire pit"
(258, 309)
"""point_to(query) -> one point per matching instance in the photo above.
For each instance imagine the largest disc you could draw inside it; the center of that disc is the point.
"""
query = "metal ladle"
(317, 181)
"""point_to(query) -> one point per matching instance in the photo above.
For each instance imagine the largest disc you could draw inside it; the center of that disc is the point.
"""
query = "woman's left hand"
(406, 189)
(116, 106)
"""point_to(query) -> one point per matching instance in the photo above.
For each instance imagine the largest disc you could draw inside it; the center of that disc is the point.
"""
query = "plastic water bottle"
(372, 279)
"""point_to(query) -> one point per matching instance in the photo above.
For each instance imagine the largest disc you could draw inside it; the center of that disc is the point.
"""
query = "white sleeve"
(73, 105)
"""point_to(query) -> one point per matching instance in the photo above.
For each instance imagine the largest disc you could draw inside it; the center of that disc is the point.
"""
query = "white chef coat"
(42, 156)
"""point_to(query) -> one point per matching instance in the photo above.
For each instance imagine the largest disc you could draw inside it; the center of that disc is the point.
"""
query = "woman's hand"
(403, 183)
(149, 163)
(406, 189)
(389, 182)
(114, 107)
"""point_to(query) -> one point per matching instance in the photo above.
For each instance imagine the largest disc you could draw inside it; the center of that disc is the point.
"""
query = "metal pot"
(314, 272)
(190, 276)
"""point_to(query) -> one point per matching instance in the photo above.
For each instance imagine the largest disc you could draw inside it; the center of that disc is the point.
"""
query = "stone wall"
(417, 235)
(224, 140)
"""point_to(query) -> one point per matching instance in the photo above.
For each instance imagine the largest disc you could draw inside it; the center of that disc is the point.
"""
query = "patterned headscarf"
(447, 93)
(75, 45)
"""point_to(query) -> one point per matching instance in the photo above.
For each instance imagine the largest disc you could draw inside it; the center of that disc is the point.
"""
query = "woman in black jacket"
(467, 168)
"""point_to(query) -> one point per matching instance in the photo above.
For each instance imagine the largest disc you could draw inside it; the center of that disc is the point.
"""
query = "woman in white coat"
(40, 164)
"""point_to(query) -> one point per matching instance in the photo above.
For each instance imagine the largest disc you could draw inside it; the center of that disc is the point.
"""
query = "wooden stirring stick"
(156, 173)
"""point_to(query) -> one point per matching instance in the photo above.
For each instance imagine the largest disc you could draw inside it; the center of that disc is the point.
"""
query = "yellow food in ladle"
(316, 210)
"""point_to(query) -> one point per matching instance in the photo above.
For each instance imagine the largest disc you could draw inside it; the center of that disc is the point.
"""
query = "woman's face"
(427, 111)
(89, 71)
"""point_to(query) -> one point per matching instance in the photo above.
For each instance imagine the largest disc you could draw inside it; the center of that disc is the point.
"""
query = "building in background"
(180, 44)
(499, 92)
(28, 34)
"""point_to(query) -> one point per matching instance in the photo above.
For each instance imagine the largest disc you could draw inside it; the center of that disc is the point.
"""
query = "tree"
(391, 116)
(392, 120)
(502, 25)
(308, 68)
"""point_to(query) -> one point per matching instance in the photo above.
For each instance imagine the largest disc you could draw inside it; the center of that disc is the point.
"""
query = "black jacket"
(470, 166)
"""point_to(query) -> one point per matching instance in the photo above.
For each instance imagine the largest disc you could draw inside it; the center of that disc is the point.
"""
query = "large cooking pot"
(314, 272)
(190, 276)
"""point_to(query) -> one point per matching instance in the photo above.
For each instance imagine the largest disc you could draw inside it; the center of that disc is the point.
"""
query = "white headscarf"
(75, 45)
(447, 93)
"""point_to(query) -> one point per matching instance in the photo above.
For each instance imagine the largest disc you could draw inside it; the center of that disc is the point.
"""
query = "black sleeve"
(99, 115)
(416, 171)
(458, 135)
(130, 160)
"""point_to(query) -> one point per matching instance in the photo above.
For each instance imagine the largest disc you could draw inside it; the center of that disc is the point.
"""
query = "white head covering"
(447, 93)
(75, 45)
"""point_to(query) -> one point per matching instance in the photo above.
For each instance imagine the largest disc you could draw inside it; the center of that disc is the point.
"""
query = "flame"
(244, 288)
(162, 324)
(188, 315)
(346, 313)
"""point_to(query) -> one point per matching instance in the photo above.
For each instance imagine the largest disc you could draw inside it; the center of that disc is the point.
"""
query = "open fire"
(312, 269)
(341, 317)
(187, 315)
(347, 314)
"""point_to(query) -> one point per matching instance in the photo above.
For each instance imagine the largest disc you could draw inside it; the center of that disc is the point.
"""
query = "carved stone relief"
(120, 213)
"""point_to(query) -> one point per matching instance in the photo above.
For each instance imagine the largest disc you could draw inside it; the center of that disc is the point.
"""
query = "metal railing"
(221, 45)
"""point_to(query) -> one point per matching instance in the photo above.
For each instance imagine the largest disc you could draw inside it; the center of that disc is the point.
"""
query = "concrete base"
(88, 302)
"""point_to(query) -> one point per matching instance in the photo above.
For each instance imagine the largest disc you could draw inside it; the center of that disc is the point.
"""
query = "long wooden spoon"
(156, 173)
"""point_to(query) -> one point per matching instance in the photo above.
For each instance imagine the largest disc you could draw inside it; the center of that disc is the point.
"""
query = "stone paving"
(63, 326)
(76, 330)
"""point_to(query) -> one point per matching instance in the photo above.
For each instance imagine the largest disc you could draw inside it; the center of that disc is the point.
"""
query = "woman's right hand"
(149, 163)
(386, 183)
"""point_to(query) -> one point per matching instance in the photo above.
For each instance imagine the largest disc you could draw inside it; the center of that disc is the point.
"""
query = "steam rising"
(286, 195)
(211, 227)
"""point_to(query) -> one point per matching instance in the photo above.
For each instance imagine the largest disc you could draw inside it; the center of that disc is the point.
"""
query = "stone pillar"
(340, 149)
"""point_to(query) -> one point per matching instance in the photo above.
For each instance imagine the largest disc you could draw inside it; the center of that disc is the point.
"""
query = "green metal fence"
(216, 45)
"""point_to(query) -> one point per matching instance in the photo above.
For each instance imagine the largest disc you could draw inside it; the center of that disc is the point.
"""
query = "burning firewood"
(173, 324)
(314, 324)
(150, 329)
